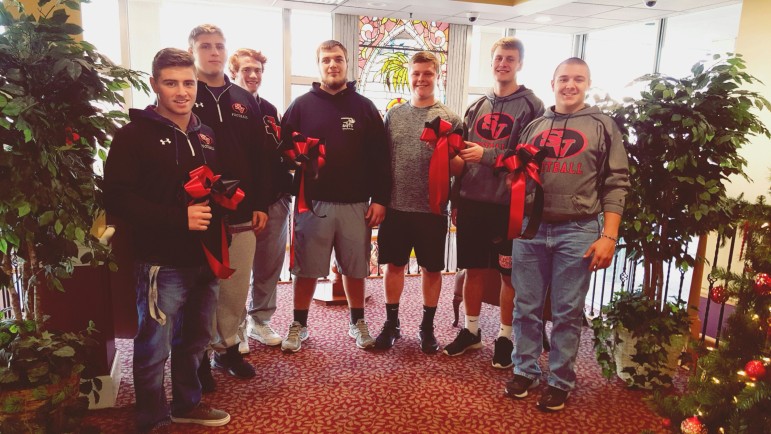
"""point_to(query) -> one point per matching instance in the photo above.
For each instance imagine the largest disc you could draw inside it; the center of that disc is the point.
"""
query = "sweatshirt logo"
(495, 126)
(198, 104)
(239, 108)
(166, 141)
(206, 141)
(561, 143)
(348, 123)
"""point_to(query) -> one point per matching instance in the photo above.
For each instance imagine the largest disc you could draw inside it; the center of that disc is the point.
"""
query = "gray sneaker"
(202, 415)
(360, 332)
(263, 333)
(294, 338)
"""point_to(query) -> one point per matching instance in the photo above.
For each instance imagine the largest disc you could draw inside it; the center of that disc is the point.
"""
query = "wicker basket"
(40, 409)
(625, 349)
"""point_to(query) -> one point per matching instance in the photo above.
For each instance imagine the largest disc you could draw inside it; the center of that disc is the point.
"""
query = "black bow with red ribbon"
(447, 144)
(521, 163)
(203, 185)
(309, 154)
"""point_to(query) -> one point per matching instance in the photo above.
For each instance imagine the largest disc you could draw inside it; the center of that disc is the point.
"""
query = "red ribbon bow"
(522, 163)
(309, 154)
(439, 133)
(203, 184)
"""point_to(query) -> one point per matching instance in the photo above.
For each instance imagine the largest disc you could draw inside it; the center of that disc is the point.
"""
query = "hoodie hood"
(318, 91)
(150, 114)
(586, 111)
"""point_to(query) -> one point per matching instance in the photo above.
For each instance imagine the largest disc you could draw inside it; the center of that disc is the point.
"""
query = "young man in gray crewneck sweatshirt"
(410, 223)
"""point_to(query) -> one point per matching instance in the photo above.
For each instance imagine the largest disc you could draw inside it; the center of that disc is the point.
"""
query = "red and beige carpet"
(330, 386)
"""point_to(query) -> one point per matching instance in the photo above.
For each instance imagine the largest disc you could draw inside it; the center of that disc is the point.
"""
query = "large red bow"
(205, 184)
(447, 144)
(309, 154)
(522, 163)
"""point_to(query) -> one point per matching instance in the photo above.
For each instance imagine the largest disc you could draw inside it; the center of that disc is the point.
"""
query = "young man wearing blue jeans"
(585, 174)
(149, 162)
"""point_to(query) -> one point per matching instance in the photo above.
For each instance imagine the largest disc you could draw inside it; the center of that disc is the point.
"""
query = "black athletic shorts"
(403, 231)
(482, 236)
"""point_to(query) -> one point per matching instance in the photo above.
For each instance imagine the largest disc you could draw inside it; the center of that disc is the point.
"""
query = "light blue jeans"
(553, 258)
(176, 309)
(268, 260)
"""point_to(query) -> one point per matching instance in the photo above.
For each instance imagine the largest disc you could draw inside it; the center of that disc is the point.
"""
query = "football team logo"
(205, 140)
(560, 143)
(495, 126)
(239, 108)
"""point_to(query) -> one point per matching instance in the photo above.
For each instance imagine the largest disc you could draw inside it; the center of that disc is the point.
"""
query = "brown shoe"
(202, 415)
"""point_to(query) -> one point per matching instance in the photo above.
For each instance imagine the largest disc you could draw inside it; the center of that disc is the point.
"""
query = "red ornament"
(666, 422)
(762, 284)
(755, 369)
(718, 295)
(693, 425)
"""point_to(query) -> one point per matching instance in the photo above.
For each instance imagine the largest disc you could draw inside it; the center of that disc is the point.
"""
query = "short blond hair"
(203, 29)
(234, 62)
(425, 57)
(509, 43)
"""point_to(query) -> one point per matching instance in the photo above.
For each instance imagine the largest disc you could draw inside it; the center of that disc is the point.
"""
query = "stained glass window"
(385, 48)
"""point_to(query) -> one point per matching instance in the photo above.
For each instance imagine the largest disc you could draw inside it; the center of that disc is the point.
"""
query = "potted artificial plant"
(683, 137)
(53, 124)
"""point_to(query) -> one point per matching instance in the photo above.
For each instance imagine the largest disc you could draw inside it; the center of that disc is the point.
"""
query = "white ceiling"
(565, 16)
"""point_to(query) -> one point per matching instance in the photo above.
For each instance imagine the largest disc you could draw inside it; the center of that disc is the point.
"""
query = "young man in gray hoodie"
(481, 202)
(585, 179)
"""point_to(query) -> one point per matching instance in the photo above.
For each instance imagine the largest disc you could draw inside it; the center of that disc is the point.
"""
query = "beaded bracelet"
(615, 240)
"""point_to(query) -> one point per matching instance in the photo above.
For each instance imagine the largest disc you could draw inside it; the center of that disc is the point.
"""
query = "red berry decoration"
(718, 295)
(666, 422)
(755, 369)
(762, 284)
(693, 425)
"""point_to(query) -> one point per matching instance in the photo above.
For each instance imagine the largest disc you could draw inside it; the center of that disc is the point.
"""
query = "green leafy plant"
(637, 315)
(59, 105)
(683, 137)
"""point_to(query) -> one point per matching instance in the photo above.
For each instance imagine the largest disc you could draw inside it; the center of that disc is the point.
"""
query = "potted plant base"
(644, 375)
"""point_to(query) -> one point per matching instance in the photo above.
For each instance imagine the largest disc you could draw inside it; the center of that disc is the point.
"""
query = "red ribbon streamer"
(309, 154)
(439, 134)
(204, 184)
(524, 162)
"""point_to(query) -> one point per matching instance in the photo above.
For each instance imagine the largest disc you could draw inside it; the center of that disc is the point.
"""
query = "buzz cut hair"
(203, 29)
(234, 62)
(170, 58)
(425, 57)
(573, 61)
(509, 43)
(330, 45)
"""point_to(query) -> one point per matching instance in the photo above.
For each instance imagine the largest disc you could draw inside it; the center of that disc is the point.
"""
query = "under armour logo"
(165, 141)
(198, 104)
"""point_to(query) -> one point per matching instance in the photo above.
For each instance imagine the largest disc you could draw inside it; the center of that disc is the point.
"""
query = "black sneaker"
(428, 342)
(464, 341)
(233, 362)
(502, 353)
(388, 335)
(518, 386)
(553, 400)
(208, 385)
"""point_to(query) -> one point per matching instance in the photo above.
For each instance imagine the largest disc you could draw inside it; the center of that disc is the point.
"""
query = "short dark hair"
(573, 61)
(171, 57)
(203, 29)
(509, 43)
(329, 45)
(425, 57)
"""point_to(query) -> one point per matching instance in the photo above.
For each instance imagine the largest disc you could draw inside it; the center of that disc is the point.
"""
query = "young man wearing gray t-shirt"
(410, 222)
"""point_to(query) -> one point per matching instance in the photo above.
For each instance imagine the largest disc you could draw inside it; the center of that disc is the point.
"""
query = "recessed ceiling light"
(542, 19)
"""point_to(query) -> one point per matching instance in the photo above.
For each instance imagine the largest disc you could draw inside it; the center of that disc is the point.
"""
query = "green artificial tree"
(730, 389)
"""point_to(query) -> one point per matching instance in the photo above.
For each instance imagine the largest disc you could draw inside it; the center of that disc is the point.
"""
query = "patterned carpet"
(330, 386)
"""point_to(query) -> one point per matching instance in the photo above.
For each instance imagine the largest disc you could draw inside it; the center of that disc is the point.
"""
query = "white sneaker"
(294, 337)
(263, 333)
(360, 332)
